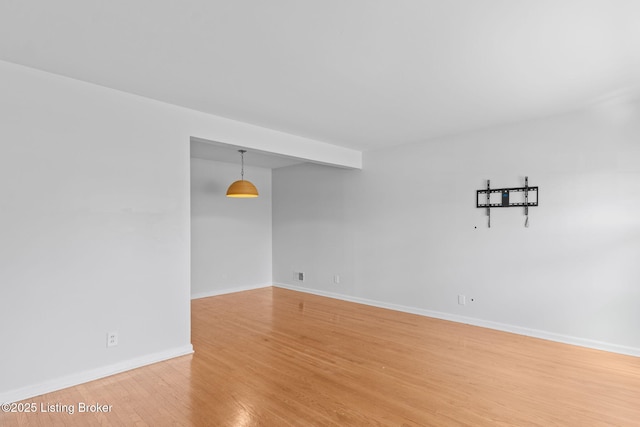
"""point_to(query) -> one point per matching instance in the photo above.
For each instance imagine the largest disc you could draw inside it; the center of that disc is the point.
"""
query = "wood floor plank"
(275, 357)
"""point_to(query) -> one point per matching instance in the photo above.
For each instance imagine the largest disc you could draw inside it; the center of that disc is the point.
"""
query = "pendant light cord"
(242, 162)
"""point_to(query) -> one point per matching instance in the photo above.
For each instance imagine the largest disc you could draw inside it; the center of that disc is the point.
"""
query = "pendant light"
(242, 188)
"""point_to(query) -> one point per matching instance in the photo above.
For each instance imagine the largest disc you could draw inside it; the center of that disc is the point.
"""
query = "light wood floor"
(275, 357)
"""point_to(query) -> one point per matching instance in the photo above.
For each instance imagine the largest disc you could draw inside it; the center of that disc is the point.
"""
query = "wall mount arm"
(483, 198)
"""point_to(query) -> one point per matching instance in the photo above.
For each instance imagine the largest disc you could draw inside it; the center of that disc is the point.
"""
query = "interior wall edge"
(534, 333)
(225, 291)
(93, 374)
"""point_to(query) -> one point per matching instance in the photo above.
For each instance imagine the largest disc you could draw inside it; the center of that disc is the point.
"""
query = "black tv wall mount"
(528, 196)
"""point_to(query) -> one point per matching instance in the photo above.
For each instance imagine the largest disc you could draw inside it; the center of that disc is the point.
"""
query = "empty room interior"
(446, 229)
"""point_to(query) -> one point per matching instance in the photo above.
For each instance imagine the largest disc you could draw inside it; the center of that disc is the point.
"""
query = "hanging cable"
(242, 163)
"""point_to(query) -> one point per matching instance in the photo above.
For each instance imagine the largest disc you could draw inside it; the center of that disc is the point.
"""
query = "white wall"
(405, 233)
(95, 230)
(230, 238)
(95, 225)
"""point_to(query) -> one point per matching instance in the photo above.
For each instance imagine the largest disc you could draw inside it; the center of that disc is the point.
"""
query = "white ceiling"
(362, 74)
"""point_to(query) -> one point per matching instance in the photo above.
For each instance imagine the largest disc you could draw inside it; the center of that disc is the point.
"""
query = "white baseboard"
(551, 336)
(91, 375)
(217, 292)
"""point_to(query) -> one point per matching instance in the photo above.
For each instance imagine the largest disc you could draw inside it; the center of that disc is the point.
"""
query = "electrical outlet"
(301, 277)
(112, 339)
(462, 300)
(336, 279)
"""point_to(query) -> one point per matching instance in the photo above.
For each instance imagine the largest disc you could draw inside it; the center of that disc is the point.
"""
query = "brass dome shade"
(242, 189)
